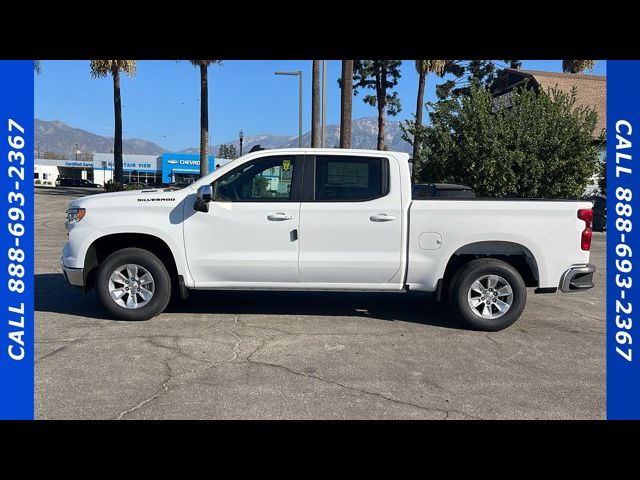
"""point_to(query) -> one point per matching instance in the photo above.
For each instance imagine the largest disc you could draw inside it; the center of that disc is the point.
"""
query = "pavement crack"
(489, 336)
(250, 360)
(163, 389)
(175, 349)
(67, 344)
(236, 347)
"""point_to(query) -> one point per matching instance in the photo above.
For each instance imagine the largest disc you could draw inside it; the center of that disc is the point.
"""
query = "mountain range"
(56, 136)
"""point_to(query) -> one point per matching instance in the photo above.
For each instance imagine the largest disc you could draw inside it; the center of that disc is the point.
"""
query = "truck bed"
(547, 231)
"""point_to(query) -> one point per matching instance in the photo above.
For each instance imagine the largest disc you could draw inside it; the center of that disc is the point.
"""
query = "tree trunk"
(117, 141)
(315, 105)
(204, 122)
(381, 124)
(381, 100)
(346, 100)
(419, 109)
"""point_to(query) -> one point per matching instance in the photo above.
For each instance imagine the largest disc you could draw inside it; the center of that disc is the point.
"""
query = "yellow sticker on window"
(286, 164)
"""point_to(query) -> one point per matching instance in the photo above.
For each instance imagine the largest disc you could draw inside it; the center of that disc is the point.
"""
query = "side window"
(264, 180)
(350, 179)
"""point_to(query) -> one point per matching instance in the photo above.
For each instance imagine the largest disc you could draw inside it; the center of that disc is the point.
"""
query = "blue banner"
(16, 240)
(623, 246)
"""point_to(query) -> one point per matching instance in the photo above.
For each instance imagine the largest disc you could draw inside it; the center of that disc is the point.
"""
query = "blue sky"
(161, 103)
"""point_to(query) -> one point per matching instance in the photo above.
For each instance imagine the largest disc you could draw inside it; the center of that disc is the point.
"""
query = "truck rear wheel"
(488, 294)
(133, 284)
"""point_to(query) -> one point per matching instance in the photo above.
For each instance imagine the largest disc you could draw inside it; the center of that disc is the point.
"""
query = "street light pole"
(300, 110)
(299, 74)
(241, 135)
(323, 129)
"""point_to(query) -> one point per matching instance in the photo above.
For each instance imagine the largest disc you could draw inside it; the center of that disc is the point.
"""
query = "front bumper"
(577, 279)
(75, 276)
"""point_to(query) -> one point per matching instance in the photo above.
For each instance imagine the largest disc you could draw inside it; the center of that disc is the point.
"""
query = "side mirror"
(203, 197)
(205, 192)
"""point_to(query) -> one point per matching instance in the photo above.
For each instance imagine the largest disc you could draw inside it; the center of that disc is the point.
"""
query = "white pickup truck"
(324, 219)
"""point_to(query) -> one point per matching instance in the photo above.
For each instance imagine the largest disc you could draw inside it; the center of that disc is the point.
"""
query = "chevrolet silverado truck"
(324, 219)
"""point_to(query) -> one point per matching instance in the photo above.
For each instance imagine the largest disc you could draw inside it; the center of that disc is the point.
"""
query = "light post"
(241, 136)
(323, 129)
(82, 174)
(299, 75)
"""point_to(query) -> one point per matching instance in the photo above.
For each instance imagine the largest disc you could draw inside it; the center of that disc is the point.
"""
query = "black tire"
(151, 263)
(472, 271)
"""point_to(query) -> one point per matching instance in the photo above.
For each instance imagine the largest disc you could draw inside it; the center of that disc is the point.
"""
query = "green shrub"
(542, 146)
(113, 187)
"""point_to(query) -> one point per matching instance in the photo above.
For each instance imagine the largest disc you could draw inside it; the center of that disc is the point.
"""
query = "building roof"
(591, 90)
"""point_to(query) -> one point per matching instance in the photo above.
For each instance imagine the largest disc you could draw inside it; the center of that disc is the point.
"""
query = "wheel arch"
(513, 253)
(104, 246)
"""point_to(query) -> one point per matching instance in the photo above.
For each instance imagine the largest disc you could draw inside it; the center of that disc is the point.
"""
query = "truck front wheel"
(488, 294)
(133, 284)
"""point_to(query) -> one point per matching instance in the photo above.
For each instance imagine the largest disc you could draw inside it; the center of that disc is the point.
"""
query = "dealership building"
(152, 169)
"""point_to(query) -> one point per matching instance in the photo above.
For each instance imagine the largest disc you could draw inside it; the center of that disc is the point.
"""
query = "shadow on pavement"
(53, 294)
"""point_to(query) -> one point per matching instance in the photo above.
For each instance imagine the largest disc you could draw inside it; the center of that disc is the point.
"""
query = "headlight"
(74, 215)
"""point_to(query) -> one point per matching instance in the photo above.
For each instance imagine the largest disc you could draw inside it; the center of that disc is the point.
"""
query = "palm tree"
(204, 112)
(346, 101)
(381, 76)
(100, 69)
(424, 68)
(577, 66)
(315, 105)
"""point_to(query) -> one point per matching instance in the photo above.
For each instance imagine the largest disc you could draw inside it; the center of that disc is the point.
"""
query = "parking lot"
(280, 355)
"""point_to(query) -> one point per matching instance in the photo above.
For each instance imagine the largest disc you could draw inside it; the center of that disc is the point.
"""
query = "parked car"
(599, 212)
(178, 185)
(441, 190)
(324, 219)
(76, 182)
(136, 186)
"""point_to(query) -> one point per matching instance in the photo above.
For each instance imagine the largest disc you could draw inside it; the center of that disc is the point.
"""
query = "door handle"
(382, 217)
(279, 217)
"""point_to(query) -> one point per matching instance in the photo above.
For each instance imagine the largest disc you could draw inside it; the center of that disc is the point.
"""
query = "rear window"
(350, 179)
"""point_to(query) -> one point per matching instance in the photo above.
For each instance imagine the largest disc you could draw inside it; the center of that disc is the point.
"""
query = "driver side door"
(249, 236)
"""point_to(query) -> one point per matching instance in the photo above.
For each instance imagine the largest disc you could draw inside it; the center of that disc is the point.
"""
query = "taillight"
(586, 214)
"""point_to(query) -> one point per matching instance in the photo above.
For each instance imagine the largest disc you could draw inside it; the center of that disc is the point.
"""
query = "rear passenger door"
(350, 221)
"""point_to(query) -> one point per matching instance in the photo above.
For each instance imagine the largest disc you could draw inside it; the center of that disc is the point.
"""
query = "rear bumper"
(75, 276)
(577, 279)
